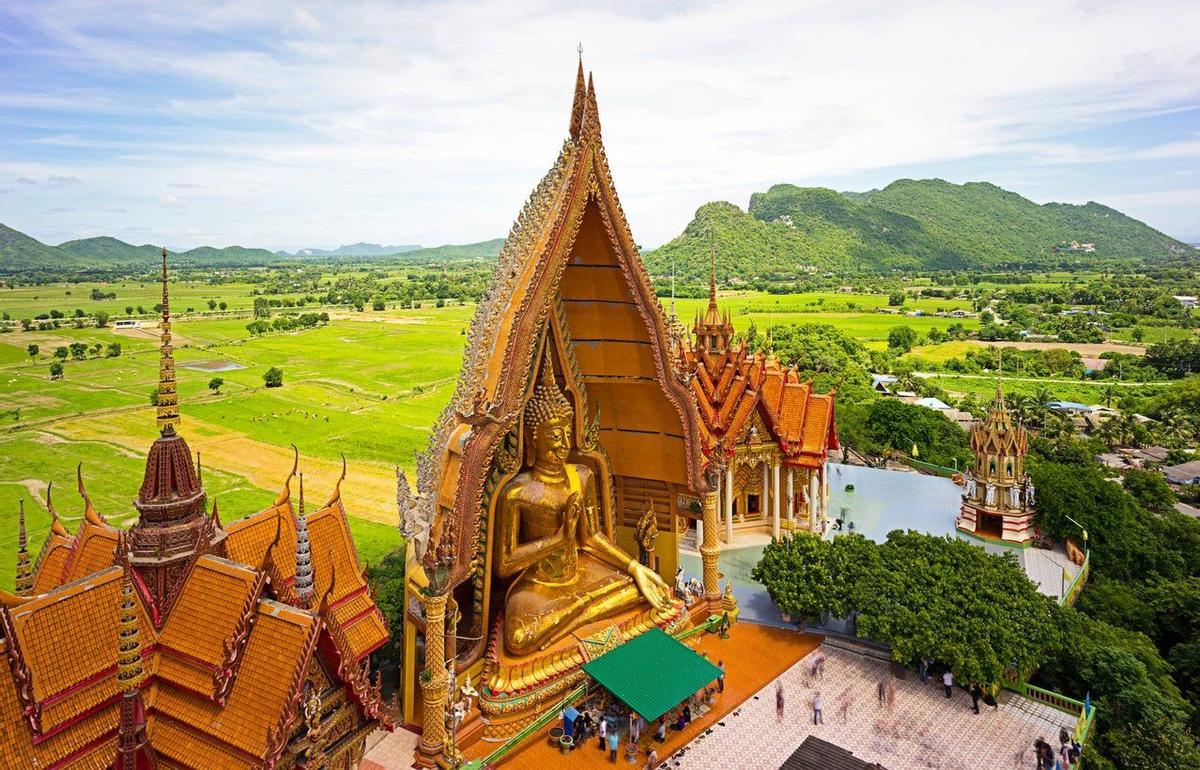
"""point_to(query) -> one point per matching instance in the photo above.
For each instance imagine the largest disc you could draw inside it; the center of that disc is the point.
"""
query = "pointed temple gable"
(570, 300)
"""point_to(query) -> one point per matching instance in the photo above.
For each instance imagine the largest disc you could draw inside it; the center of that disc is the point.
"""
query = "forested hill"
(20, 253)
(910, 224)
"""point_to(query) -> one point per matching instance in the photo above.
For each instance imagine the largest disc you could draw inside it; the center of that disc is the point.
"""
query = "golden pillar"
(433, 682)
(710, 550)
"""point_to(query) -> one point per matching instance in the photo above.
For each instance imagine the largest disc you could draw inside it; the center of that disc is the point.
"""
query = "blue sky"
(288, 125)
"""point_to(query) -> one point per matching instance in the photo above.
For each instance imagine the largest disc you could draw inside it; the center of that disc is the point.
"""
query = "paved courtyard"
(922, 729)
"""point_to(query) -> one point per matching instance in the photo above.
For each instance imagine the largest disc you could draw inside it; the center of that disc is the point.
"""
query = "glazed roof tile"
(49, 572)
(208, 609)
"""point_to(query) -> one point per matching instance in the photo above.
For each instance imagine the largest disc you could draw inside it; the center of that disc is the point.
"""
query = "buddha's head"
(548, 417)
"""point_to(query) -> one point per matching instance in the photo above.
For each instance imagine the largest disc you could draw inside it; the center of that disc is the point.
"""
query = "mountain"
(455, 252)
(104, 251)
(910, 224)
(354, 250)
(18, 251)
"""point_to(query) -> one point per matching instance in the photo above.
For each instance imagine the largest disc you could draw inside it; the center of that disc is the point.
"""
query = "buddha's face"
(552, 443)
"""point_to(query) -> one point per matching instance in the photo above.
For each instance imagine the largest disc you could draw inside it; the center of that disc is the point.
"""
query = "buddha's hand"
(651, 585)
(571, 515)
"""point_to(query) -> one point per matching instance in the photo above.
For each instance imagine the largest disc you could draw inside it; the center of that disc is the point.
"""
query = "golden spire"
(304, 571)
(129, 658)
(580, 98)
(24, 583)
(168, 399)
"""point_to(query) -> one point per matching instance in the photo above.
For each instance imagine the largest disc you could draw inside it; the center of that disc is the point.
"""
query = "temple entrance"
(989, 525)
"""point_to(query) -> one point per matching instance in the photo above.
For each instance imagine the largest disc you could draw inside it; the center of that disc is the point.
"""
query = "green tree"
(78, 350)
(1137, 335)
(273, 377)
(947, 599)
(901, 339)
(212, 304)
(378, 304)
(61, 353)
(223, 305)
(215, 384)
(113, 351)
(1149, 489)
(896, 299)
(387, 588)
(32, 349)
(154, 396)
(129, 310)
(795, 570)
(101, 319)
(56, 370)
(262, 308)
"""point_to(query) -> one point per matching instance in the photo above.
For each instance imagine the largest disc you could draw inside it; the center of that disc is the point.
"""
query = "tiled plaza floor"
(921, 730)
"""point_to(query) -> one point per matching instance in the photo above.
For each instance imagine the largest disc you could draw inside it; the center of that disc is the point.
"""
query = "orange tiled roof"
(798, 419)
(67, 641)
(48, 572)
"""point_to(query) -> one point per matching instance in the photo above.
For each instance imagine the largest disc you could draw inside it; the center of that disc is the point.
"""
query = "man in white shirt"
(948, 682)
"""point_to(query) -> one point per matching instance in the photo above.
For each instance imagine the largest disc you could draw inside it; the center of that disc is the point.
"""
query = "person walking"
(976, 694)
(651, 759)
(612, 746)
(602, 731)
(635, 730)
(779, 701)
(660, 734)
(924, 670)
(818, 709)
(721, 676)
(948, 682)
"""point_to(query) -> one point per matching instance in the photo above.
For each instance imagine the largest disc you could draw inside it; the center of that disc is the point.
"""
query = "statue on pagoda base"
(550, 531)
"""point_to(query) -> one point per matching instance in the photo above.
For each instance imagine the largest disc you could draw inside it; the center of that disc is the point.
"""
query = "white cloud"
(430, 123)
(170, 200)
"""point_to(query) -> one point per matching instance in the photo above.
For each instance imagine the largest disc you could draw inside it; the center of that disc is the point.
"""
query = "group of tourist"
(608, 720)
(1065, 758)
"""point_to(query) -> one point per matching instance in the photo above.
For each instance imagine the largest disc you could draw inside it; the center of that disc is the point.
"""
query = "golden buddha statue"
(550, 534)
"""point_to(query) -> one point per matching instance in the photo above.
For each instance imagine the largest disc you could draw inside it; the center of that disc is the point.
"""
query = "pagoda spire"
(133, 747)
(24, 583)
(168, 397)
(304, 570)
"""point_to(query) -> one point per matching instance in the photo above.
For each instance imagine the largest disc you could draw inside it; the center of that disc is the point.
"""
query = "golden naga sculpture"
(646, 533)
(551, 532)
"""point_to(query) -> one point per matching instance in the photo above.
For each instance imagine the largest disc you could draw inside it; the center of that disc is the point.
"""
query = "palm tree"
(1108, 394)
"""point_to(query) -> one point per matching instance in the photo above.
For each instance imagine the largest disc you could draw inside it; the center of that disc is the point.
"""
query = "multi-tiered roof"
(183, 642)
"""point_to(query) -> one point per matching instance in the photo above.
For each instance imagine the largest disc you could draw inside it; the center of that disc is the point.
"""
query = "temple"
(766, 429)
(997, 500)
(184, 642)
(528, 534)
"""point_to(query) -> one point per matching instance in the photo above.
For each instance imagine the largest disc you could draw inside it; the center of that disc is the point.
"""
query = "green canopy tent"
(652, 673)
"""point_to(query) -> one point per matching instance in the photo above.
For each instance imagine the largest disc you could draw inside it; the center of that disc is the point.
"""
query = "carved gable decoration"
(570, 243)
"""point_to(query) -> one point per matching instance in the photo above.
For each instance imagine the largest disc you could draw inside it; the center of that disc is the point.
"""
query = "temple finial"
(304, 570)
(24, 582)
(168, 398)
(134, 751)
(580, 98)
(129, 658)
